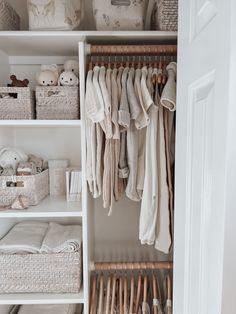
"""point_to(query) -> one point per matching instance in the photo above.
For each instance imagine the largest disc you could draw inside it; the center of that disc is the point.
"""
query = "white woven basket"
(35, 187)
(40, 273)
(57, 102)
(9, 19)
(22, 107)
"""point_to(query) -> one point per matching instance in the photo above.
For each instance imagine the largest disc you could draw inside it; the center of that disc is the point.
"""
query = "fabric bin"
(9, 19)
(35, 187)
(22, 107)
(57, 102)
(167, 15)
(55, 14)
(119, 14)
(40, 273)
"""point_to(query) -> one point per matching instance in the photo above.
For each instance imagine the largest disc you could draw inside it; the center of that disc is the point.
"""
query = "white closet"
(204, 130)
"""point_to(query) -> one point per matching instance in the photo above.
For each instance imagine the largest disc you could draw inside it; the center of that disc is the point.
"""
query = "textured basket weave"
(9, 19)
(36, 187)
(40, 273)
(22, 107)
(57, 102)
(167, 15)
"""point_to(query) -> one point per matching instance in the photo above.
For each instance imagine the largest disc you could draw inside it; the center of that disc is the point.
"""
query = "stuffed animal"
(72, 66)
(48, 75)
(18, 83)
(39, 162)
(68, 79)
(11, 157)
(26, 168)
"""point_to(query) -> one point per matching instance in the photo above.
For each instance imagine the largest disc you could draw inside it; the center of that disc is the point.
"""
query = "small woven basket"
(9, 19)
(167, 15)
(35, 187)
(22, 107)
(40, 273)
(57, 102)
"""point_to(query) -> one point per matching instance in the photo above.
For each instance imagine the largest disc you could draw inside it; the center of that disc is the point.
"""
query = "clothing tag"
(168, 303)
(156, 302)
(146, 308)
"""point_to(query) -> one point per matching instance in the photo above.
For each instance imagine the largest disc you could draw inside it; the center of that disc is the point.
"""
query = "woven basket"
(57, 102)
(40, 273)
(9, 19)
(167, 15)
(35, 187)
(22, 107)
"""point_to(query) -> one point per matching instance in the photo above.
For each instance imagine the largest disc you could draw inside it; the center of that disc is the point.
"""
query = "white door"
(205, 54)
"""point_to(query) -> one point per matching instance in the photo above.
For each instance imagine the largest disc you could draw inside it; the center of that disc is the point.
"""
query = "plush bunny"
(68, 79)
(48, 75)
(11, 157)
(72, 66)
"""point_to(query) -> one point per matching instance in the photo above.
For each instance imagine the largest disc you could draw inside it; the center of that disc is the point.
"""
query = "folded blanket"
(24, 237)
(61, 239)
(49, 309)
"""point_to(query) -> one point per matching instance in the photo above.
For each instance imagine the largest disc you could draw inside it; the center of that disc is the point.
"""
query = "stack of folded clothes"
(41, 237)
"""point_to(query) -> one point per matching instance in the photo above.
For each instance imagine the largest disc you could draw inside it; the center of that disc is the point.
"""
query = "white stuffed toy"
(48, 75)
(72, 66)
(11, 157)
(68, 79)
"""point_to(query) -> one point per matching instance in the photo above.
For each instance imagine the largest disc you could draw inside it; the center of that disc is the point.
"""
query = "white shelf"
(41, 123)
(51, 206)
(42, 298)
(59, 43)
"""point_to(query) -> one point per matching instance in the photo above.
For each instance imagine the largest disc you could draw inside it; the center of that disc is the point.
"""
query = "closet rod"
(132, 50)
(130, 266)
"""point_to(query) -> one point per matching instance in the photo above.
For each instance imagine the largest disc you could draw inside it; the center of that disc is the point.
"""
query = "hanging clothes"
(129, 143)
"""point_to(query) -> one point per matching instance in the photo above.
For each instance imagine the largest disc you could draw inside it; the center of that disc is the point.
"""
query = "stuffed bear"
(48, 75)
(18, 83)
(11, 157)
(68, 79)
(26, 168)
(72, 66)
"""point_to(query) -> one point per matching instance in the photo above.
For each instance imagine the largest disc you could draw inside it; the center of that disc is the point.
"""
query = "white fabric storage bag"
(119, 14)
(55, 14)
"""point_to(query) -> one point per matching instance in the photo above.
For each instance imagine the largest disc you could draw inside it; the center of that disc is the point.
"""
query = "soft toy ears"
(22, 155)
(50, 67)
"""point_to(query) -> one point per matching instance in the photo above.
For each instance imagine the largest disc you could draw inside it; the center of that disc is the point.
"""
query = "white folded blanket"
(62, 239)
(24, 237)
(48, 309)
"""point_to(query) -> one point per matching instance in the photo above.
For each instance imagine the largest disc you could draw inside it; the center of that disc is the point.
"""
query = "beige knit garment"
(132, 139)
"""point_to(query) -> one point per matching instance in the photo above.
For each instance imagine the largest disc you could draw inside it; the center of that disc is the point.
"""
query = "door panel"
(201, 154)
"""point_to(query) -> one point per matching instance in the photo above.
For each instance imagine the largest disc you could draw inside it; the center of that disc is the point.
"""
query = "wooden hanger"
(108, 293)
(145, 291)
(121, 295)
(131, 303)
(125, 295)
(113, 296)
(137, 301)
(93, 295)
(101, 292)
(155, 296)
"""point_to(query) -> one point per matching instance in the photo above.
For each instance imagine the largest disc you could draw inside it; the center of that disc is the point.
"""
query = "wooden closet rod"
(131, 266)
(132, 50)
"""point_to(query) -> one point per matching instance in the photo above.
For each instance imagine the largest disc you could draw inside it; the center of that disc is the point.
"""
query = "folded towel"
(24, 237)
(62, 239)
(48, 309)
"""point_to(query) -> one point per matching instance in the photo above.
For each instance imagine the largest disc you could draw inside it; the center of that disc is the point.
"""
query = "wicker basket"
(167, 15)
(35, 187)
(57, 102)
(9, 19)
(22, 107)
(40, 273)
